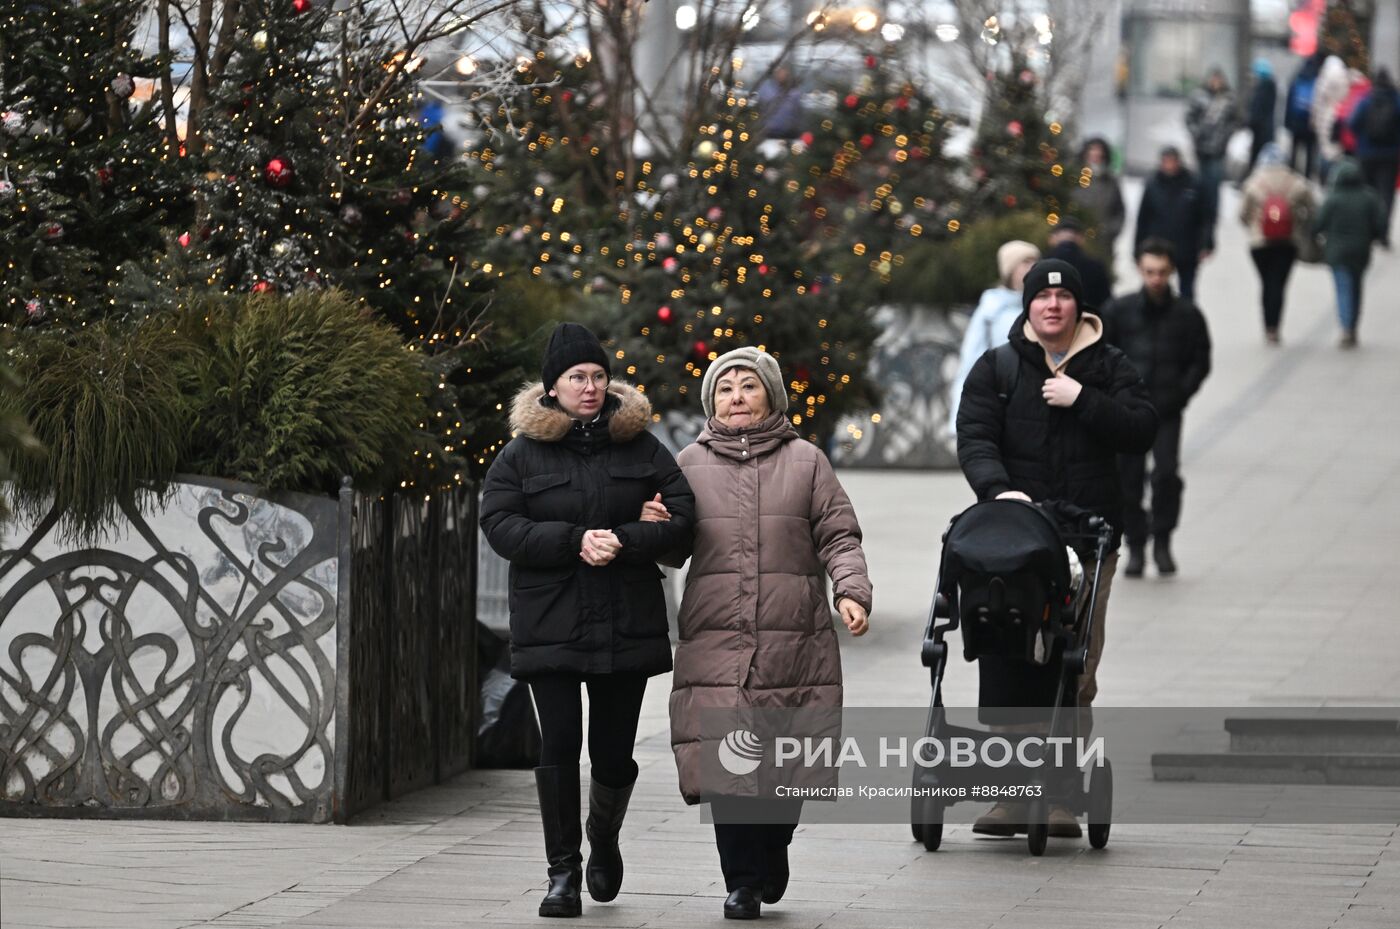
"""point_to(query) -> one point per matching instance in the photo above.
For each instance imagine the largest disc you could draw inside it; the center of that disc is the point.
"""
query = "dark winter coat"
(556, 479)
(1351, 219)
(1368, 146)
(1175, 208)
(1263, 104)
(1093, 273)
(1052, 453)
(1169, 345)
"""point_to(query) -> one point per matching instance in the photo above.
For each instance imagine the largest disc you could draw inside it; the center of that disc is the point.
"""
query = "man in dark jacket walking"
(1166, 338)
(1043, 418)
(1175, 208)
(1262, 104)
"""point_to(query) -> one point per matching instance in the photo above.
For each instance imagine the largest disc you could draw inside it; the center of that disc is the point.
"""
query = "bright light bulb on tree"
(865, 20)
(686, 17)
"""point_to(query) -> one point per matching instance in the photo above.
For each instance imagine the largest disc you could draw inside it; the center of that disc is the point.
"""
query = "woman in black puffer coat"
(564, 503)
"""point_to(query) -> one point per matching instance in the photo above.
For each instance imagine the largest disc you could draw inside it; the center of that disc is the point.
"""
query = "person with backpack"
(1297, 114)
(1351, 219)
(1376, 124)
(1277, 207)
(1166, 338)
(1044, 417)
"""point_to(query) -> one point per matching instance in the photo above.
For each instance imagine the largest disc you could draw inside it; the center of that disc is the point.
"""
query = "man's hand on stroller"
(1014, 495)
(853, 615)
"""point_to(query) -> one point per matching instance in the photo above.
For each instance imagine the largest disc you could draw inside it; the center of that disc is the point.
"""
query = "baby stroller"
(1011, 579)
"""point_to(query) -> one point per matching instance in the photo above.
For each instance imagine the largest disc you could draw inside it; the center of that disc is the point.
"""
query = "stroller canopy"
(1005, 537)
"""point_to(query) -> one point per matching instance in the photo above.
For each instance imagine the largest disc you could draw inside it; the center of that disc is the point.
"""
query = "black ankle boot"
(1137, 560)
(1162, 554)
(606, 808)
(775, 885)
(742, 904)
(559, 814)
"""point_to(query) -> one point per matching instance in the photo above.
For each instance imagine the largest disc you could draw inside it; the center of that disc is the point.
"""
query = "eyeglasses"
(578, 381)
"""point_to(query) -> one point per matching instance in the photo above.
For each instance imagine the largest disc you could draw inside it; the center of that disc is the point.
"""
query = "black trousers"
(744, 846)
(1306, 146)
(614, 703)
(1166, 485)
(1275, 263)
(1380, 176)
(1186, 275)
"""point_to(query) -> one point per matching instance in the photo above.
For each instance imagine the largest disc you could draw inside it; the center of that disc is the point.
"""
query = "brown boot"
(1003, 820)
(1063, 825)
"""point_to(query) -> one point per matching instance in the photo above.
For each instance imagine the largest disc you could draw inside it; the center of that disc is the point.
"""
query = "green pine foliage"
(107, 405)
(292, 393)
(17, 440)
(1017, 158)
(86, 176)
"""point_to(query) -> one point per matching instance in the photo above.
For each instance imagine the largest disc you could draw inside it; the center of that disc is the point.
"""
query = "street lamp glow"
(686, 18)
(892, 32)
(865, 20)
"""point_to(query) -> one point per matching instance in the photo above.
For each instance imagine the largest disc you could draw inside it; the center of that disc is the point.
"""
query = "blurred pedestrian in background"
(1333, 83)
(996, 312)
(1350, 221)
(1212, 117)
(1278, 209)
(1102, 195)
(1297, 115)
(780, 109)
(1176, 209)
(1165, 337)
(1263, 104)
(1376, 125)
(1067, 244)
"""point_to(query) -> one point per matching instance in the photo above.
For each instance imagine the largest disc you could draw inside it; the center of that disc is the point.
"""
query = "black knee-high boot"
(558, 790)
(607, 806)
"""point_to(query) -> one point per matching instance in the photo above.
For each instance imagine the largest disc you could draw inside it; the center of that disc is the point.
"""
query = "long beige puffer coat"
(755, 626)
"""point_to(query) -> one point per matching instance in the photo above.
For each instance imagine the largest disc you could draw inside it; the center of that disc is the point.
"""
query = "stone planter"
(231, 656)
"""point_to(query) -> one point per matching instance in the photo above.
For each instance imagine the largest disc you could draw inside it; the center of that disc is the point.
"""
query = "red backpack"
(1277, 219)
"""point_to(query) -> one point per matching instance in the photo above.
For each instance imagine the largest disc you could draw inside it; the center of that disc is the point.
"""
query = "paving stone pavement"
(1286, 598)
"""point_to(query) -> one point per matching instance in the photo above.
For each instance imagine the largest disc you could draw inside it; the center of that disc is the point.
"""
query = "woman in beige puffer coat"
(772, 522)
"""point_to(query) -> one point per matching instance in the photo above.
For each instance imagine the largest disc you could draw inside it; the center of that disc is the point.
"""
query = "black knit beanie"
(1053, 272)
(571, 344)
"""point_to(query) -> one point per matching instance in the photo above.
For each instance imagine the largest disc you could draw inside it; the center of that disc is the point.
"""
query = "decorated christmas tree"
(86, 176)
(1017, 160)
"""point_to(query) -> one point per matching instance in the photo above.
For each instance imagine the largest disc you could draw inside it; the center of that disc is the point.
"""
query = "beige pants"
(1088, 682)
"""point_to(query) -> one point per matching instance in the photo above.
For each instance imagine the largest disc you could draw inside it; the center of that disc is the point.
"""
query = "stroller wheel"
(926, 822)
(1100, 804)
(1037, 828)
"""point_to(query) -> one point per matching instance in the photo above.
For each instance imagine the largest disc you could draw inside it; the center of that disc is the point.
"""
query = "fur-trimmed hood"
(628, 409)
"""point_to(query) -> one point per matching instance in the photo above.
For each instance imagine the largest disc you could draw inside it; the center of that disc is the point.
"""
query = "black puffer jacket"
(1168, 343)
(1051, 453)
(1175, 208)
(557, 479)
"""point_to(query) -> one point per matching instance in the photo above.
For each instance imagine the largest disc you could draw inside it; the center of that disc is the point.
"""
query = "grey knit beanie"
(764, 364)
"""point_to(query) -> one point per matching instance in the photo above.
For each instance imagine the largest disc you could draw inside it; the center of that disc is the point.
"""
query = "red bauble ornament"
(808, 138)
(1010, 200)
(867, 140)
(871, 61)
(762, 269)
(52, 232)
(566, 96)
(278, 173)
(301, 6)
(803, 373)
(1015, 128)
(104, 176)
(701, 349)
(184, 240)
(851, 101)
(664, 314)
(670, 264)
(262, 287)
(816, 289)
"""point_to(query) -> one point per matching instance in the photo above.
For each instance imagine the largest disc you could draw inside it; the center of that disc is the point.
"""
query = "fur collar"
(630, 414)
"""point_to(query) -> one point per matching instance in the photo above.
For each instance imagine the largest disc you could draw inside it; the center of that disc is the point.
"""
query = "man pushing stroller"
(1044, 417)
